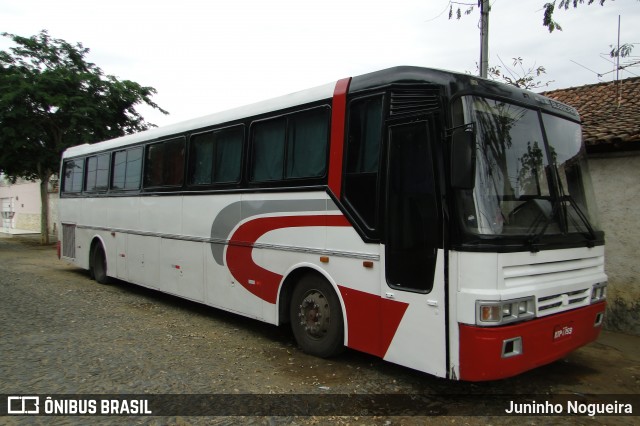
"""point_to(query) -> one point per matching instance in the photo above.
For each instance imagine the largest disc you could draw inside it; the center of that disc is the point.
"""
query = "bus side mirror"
(463, 159)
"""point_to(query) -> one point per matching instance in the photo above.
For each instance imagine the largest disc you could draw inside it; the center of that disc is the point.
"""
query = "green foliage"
(547, 20)
(519, 75)
(621, 52)
(51, 98)
(548, 10)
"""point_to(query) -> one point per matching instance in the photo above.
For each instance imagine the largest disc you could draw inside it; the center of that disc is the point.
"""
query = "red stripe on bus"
(372, 321)
(239, 258)
(338, 116)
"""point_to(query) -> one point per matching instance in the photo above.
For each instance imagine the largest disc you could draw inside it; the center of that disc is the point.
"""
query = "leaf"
(623, 51)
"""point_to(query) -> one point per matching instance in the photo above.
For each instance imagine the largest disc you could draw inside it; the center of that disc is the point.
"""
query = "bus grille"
(569, 272)
(561, 302)
(69, 240)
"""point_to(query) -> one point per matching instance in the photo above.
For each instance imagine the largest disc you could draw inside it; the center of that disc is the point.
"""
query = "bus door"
(414, 265)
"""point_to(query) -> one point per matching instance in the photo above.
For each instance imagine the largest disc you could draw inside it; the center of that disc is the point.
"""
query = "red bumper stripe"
(544, 340)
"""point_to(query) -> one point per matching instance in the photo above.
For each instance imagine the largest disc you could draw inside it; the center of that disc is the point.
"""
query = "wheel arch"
(95, 241)
(291, 278)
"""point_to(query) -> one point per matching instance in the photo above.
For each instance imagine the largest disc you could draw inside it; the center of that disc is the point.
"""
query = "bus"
(438, 220)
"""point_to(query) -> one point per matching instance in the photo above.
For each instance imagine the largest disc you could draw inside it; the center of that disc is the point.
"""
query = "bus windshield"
(531, 173)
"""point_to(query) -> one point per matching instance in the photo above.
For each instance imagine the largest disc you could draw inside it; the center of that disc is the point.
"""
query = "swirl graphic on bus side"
(235, 230)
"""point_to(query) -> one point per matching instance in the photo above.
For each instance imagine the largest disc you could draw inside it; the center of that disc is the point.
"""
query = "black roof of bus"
(455, 84)
(458, 84)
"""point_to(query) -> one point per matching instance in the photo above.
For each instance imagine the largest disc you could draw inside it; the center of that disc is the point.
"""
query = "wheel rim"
(315, 314)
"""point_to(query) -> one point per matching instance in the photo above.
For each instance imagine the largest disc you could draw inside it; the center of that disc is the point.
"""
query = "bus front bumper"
(490, 353)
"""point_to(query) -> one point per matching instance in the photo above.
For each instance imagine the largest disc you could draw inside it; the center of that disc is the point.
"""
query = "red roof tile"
(610, 112)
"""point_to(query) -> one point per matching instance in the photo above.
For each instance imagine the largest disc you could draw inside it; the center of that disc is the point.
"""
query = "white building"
(21, 206)
(610, 115)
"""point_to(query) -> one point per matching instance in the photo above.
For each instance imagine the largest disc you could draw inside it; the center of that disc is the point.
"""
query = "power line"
(588, 69)
(441, 13)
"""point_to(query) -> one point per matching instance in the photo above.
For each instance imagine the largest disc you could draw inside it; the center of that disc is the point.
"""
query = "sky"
(207, 56)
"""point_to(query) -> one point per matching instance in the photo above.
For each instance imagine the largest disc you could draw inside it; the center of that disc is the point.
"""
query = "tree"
(548, 10)
(51, 98)
(622, 51)
(525, 78)
(519, 75)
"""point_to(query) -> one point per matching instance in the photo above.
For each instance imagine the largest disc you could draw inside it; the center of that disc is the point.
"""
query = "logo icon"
(23, 405)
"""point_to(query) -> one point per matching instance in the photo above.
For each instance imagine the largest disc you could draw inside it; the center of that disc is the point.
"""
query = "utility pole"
(484, 37)
(618, 55)
(618, 97)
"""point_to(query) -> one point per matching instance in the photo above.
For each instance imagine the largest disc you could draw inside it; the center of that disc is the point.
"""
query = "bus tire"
(316, 317)
(99, 265)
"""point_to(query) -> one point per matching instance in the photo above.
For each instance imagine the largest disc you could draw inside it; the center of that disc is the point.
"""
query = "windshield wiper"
(535, 238)
(583, 218)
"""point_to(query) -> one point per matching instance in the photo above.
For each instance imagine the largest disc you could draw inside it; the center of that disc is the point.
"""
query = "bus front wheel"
(99, 265)
(316, 317)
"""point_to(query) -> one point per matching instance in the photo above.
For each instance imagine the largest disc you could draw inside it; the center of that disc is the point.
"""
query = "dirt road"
(62, 333)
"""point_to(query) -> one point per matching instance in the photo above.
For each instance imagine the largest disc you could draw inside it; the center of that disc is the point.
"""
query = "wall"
(25, 199)
(616, 180)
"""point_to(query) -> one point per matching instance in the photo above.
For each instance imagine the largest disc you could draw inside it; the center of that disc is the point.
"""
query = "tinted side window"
(216, 157)
(201, 152)
(127, 167)
(308, 134)
(362, 158)
(97, 173)
(268, 150)
(73, 175)
(291, 147)
(228, 156)
(164, 163)
(102, 174)
(90, 175)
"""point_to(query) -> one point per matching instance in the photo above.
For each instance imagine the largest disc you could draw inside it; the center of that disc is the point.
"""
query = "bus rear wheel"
(316, 317)
(99, 265)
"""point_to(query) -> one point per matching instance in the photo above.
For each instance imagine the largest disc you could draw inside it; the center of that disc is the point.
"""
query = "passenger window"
(127, 167)
(268, 150)
(92, 167)
(291, 147)
(216, 157)
(308, 134)
(164, 163)
(73, 175)
(362, 158)
(97, 173)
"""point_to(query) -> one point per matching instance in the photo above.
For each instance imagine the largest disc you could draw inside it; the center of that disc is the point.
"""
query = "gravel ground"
(62, 333)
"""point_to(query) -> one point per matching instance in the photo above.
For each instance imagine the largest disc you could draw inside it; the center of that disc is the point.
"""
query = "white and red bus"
(437, 220)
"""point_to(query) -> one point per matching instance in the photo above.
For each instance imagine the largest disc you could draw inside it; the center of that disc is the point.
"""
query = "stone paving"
(62, 333)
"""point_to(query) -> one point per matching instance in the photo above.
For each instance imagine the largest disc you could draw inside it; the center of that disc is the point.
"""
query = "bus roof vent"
(413, 101)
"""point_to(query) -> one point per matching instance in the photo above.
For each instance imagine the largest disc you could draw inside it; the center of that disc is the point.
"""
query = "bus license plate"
(563, 331)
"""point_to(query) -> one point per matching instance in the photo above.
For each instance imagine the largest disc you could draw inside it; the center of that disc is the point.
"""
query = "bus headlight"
(505, 311)
(599, 292)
